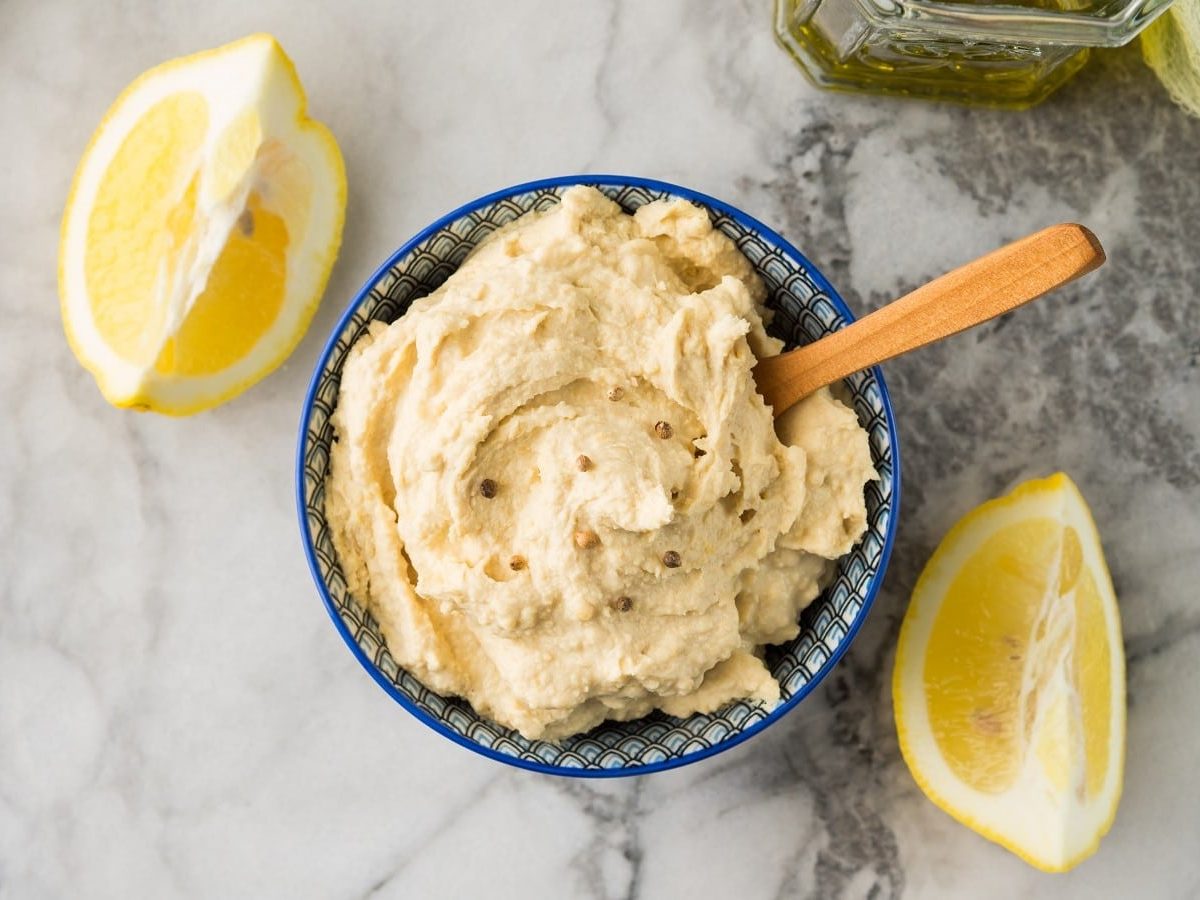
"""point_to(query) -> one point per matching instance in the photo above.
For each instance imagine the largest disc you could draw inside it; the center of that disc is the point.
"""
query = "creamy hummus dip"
(557, 490)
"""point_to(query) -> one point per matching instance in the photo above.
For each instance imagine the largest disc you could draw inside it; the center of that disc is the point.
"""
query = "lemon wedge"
(1009, 686)
(200, 230)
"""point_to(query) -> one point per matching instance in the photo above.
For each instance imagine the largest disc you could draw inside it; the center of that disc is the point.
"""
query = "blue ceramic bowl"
(807, 307)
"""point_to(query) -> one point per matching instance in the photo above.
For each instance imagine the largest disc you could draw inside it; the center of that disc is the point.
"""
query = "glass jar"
(1009, 54)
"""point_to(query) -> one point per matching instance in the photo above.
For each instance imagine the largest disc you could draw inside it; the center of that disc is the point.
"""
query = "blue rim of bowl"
(746, 221)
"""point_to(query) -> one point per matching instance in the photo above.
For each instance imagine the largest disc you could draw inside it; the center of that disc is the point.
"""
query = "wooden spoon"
(1001, 281)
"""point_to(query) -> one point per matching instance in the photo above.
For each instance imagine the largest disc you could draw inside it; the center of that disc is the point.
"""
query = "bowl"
(806, 307)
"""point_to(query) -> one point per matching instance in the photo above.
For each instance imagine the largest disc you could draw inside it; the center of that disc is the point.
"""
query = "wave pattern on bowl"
(804, 311)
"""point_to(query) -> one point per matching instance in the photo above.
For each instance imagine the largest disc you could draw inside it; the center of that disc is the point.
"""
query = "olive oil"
(1008, 54)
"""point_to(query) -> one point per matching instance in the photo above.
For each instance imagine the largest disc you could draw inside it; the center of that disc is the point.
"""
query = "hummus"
(557, 490)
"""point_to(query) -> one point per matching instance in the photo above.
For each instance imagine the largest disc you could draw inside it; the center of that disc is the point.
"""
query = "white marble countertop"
(177, 715)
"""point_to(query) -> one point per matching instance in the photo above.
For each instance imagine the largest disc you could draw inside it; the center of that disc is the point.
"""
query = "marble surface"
(178, 717)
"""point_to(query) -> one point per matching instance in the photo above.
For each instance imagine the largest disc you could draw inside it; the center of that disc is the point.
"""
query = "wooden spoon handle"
(993, 284)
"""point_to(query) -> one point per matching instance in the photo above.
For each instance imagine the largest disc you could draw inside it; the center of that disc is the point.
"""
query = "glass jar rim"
(1119, 23)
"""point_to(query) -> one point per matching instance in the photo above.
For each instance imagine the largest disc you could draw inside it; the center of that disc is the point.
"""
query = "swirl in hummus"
(555, 485)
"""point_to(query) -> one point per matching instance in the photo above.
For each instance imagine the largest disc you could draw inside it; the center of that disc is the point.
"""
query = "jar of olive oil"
(1009, 53)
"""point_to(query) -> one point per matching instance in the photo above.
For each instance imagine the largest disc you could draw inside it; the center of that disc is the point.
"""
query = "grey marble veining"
(177, 716)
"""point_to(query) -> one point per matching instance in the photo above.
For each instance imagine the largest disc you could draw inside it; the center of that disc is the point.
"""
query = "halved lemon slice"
(1009, 685)
(201, 229)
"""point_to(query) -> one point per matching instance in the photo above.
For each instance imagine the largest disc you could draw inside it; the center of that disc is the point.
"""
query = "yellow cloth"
(1171, 46)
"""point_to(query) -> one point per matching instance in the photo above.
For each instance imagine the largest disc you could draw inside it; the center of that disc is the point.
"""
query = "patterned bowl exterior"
(806, 308)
